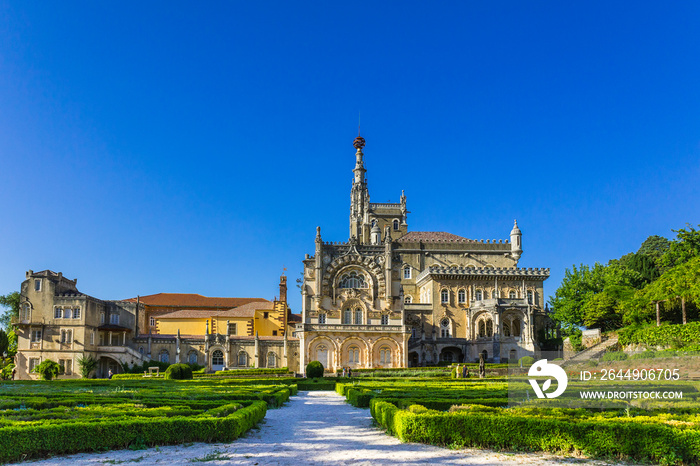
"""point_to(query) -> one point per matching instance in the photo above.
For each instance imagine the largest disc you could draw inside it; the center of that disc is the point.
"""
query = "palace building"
(60, 323)
(386, 297)
(390, 297)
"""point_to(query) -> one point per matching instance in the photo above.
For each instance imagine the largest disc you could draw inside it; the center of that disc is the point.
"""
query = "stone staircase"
(593, 352)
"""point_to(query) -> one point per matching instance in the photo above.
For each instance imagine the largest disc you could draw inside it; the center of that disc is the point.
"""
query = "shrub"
(48, 369)
(87, 365)
(648, 354)
(178, 372)
(314, 369)
(614, 356)
(526, 361)
(665, 335)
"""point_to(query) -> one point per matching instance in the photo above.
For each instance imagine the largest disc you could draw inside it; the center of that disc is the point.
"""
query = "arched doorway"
(105, 364)
(451, 354)
(217, 360)
(413, 359)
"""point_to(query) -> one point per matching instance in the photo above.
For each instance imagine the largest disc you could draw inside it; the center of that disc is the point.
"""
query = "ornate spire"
(359, 142)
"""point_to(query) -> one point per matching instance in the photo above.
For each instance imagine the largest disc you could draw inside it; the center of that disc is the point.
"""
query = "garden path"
(314, 428)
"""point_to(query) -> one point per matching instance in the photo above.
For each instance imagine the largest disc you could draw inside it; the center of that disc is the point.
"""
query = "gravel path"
(314, 428)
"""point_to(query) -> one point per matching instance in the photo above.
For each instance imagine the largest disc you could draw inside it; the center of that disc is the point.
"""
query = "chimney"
(283, 289)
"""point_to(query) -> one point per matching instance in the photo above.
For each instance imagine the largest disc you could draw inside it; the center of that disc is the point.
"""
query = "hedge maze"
(44, 418)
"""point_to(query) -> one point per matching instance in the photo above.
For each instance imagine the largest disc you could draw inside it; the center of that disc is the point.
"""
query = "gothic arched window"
(385, 356)
(445, 328)
(354, 355)
(407, 299)
(511, 295)
(217, 358)
(164, 356)
(347, 316)
(396, 225)
(358, 316)
(353, 280)
(242, 359)
(192, 357)
(407, 272)
(271, 360)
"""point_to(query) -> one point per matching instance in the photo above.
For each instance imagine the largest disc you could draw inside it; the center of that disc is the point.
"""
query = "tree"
(601, 311)
(654, 247)
(576, 288)
(4, 342)
(11, 302)
(48, 369)
(680, 282)
(683, 248)
(87, 365)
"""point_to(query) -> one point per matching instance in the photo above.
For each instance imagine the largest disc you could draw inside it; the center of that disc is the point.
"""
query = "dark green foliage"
(504, 429)
(11, 302)
(666, 335)
(243, 372)
(526, 361)
(314, 369)
(140, 369)
(4, 342)
(614, 356)
(48, 369)
(178, 372)
(86, 366)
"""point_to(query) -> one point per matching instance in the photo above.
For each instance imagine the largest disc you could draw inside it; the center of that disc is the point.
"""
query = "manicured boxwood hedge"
(496, 428)
(42, 418)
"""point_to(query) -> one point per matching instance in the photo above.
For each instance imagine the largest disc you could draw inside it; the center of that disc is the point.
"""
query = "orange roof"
(193, 300)
(431, 236)
(246, 310)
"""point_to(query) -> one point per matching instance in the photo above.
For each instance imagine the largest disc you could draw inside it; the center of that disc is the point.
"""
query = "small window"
(385, 356)
(141, 350)
(271, 360)
(102, 339)
(37, 285)
(68, 313)
(66, 337)
(444, 296)
(511, 295)
(354, 355)
(494, 294)
(407, 300)
(26, 312)
(114, 319)
(529, 297)
(396, 225)
(102, 317)
(164, 356)
(353, 280)
(358, 316)
(153, 321)
(191, 357)
(462, 296)
(233, 329)
(347, 316)
(92, 338)
(407, 272)
(242, 359)
(322, 318)
(385, 319)
(479, 295)
(274, 333)
(76, 313)
(265, 315)
(217, 358)
(67, 365)
(445, 328)
(36, 336)
(33, 362)
(57, 313)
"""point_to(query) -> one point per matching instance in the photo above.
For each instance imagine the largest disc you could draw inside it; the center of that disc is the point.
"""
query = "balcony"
(14, 320)
(352, 328)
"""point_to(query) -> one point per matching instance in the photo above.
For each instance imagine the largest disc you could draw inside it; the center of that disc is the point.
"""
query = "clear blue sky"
(194, 147)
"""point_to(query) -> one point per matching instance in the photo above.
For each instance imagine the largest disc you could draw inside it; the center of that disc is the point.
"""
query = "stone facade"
(60, 323)
(392, 298)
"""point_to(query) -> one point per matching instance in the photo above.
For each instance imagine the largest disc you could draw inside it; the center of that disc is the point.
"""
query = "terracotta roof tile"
(192, 300)
(432, 237)
(246, 310)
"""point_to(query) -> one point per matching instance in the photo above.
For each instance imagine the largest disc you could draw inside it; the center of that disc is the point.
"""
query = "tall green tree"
(4, 343)
(579, 285)
(681, 282)
(685, 247)
(11, 304)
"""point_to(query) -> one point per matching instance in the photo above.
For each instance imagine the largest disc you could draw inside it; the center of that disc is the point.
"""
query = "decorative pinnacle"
(359, 143)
